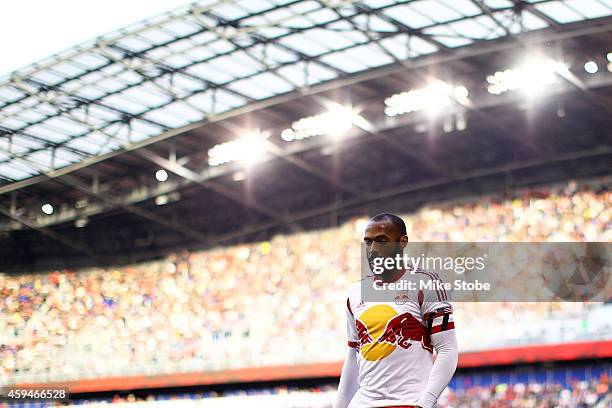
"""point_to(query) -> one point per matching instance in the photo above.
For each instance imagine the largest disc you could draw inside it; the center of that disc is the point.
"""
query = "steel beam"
(586, 28)
(293, 149)
(141, 212)
(79, 246)
(203, 181)
(326, 208)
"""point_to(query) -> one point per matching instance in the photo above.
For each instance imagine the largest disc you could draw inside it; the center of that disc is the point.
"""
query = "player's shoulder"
(354, 289)
(431, 287)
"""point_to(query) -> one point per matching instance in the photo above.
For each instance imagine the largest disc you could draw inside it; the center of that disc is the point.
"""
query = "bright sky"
(34, 29)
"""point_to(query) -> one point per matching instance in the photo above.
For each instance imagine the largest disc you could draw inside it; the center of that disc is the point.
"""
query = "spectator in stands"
(188, 310)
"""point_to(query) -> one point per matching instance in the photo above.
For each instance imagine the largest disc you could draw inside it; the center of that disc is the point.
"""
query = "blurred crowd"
(573, 213)
(248, 396)
(533, 395)
(586, 394)
(275, 302)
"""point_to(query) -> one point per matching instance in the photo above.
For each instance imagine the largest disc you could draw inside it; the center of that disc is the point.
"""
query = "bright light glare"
(530, 78)
(161, 200)
(336, 122)
(167, 198)
(461, 92)
(287, 135)
(239, 176)
(591, 67)
(609, 56)
(47, 209)
(81, 222)
(161, 175)
(249, 149)
(433, 98)
(461, 121)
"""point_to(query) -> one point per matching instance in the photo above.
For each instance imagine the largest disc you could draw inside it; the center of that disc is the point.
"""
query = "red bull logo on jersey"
(381, 330)
(362, 334)
(401, 329)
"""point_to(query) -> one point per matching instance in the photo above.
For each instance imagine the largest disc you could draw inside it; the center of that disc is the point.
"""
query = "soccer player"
(390, 355)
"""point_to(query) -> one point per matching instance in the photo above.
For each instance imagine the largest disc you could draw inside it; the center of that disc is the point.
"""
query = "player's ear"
(403, 241)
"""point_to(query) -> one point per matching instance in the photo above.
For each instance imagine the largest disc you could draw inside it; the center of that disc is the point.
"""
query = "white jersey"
(395, 354)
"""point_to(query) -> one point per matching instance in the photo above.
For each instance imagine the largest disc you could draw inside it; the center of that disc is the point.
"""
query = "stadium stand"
(583, 393)
(253, 305)
(567, 386)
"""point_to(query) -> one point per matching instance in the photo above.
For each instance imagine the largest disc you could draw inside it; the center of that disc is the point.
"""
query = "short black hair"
(395, 220)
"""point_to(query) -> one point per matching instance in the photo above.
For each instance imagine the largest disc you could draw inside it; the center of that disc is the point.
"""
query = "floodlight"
(531, 78)
(335, 122)
(591, 67)
(47, 209)
(433, 99)
(161, 175)
(249, 149)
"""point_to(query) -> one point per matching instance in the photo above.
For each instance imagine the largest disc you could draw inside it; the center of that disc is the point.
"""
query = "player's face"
(382, 240)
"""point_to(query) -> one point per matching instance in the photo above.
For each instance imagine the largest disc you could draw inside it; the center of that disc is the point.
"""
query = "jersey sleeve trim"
(440, 293)
(348, 306)
(441, 328)
(440, 320)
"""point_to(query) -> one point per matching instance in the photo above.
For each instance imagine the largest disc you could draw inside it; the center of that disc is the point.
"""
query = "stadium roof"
(200, 61)
(85, 131)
